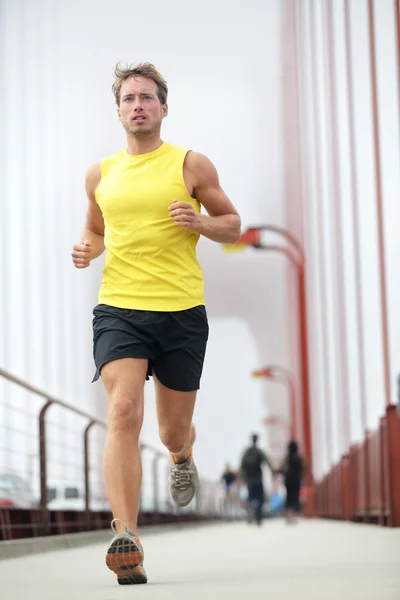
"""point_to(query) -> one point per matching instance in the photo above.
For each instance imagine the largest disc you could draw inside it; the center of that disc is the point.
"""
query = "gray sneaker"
(125, 557)
(183, 482)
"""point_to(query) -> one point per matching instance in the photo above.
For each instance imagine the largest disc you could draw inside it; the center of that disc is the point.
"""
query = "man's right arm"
(266, 459)
(91, 244)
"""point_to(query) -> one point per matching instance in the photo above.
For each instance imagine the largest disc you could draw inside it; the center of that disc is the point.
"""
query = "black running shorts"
(173, 342)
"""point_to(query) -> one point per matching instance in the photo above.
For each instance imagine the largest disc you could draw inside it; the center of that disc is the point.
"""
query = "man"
(251, 470)
(144, 209)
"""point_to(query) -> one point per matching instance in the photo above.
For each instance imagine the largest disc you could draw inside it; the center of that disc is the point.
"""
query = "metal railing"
(365, 485)
(40, 456)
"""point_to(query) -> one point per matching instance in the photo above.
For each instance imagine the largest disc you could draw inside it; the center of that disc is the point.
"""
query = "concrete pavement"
(314, 560)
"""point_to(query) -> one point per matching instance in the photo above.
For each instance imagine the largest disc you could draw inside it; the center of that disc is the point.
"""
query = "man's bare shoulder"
(93, 172)
(197, 160)
(92, 179)
(201, 168)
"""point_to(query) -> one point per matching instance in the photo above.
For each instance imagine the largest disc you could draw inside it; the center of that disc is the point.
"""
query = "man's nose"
(138, 104)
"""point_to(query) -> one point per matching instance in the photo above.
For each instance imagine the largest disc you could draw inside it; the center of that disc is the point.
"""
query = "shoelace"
(182, 478)
(114, 530)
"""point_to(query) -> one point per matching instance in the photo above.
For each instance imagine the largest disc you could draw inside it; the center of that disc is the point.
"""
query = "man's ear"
(119, 114)
(164, 110)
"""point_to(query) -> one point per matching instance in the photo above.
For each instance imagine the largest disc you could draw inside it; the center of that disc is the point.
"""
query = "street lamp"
(294, 252)
(285, 376)
(275, 421)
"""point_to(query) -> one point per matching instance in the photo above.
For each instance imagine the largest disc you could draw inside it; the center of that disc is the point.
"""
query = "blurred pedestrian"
(229, 477)
(251, 471)
(293, 470)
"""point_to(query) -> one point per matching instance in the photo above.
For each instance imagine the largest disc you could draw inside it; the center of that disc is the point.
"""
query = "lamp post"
(285, 376)
(294, 252)
(274, 421)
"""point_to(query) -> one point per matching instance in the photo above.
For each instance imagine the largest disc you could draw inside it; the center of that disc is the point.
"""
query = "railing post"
(346, 502)
(198, 501)
(393, 441)
(385, 470)
(43, 467)
(142, 447)
(156, 506)
(367, 476)
(86, 464)
(171, 504)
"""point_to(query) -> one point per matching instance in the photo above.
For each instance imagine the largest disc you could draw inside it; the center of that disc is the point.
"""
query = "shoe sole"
(137, 576)
(183, 504)
(124, 558)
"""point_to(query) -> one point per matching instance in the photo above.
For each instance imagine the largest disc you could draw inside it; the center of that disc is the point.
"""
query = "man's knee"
(175, 439)
(125, 412)
(124, 381)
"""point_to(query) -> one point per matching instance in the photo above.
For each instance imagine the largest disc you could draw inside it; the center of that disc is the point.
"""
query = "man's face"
(140, 110)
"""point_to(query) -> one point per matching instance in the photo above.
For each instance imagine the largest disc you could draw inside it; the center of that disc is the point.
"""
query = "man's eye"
(147, 97)
(128, 99)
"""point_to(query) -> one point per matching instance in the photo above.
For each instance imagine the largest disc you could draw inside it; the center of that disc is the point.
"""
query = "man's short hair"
(123, 72)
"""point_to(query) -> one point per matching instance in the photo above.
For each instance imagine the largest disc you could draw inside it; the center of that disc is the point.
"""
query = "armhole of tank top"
(98, 185)
(186, 152)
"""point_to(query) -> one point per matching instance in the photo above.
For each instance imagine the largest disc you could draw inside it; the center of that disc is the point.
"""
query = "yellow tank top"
(150, 262)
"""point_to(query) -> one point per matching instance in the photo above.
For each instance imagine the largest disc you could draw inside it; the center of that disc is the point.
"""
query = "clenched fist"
(82, 254)
(184, 214)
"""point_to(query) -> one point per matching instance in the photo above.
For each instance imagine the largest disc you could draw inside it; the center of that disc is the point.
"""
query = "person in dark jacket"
(229, 477)
(251, 471)
(293, 470)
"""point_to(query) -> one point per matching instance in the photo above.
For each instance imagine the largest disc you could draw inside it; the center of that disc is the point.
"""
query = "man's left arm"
(222, 224)
(242, 469)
